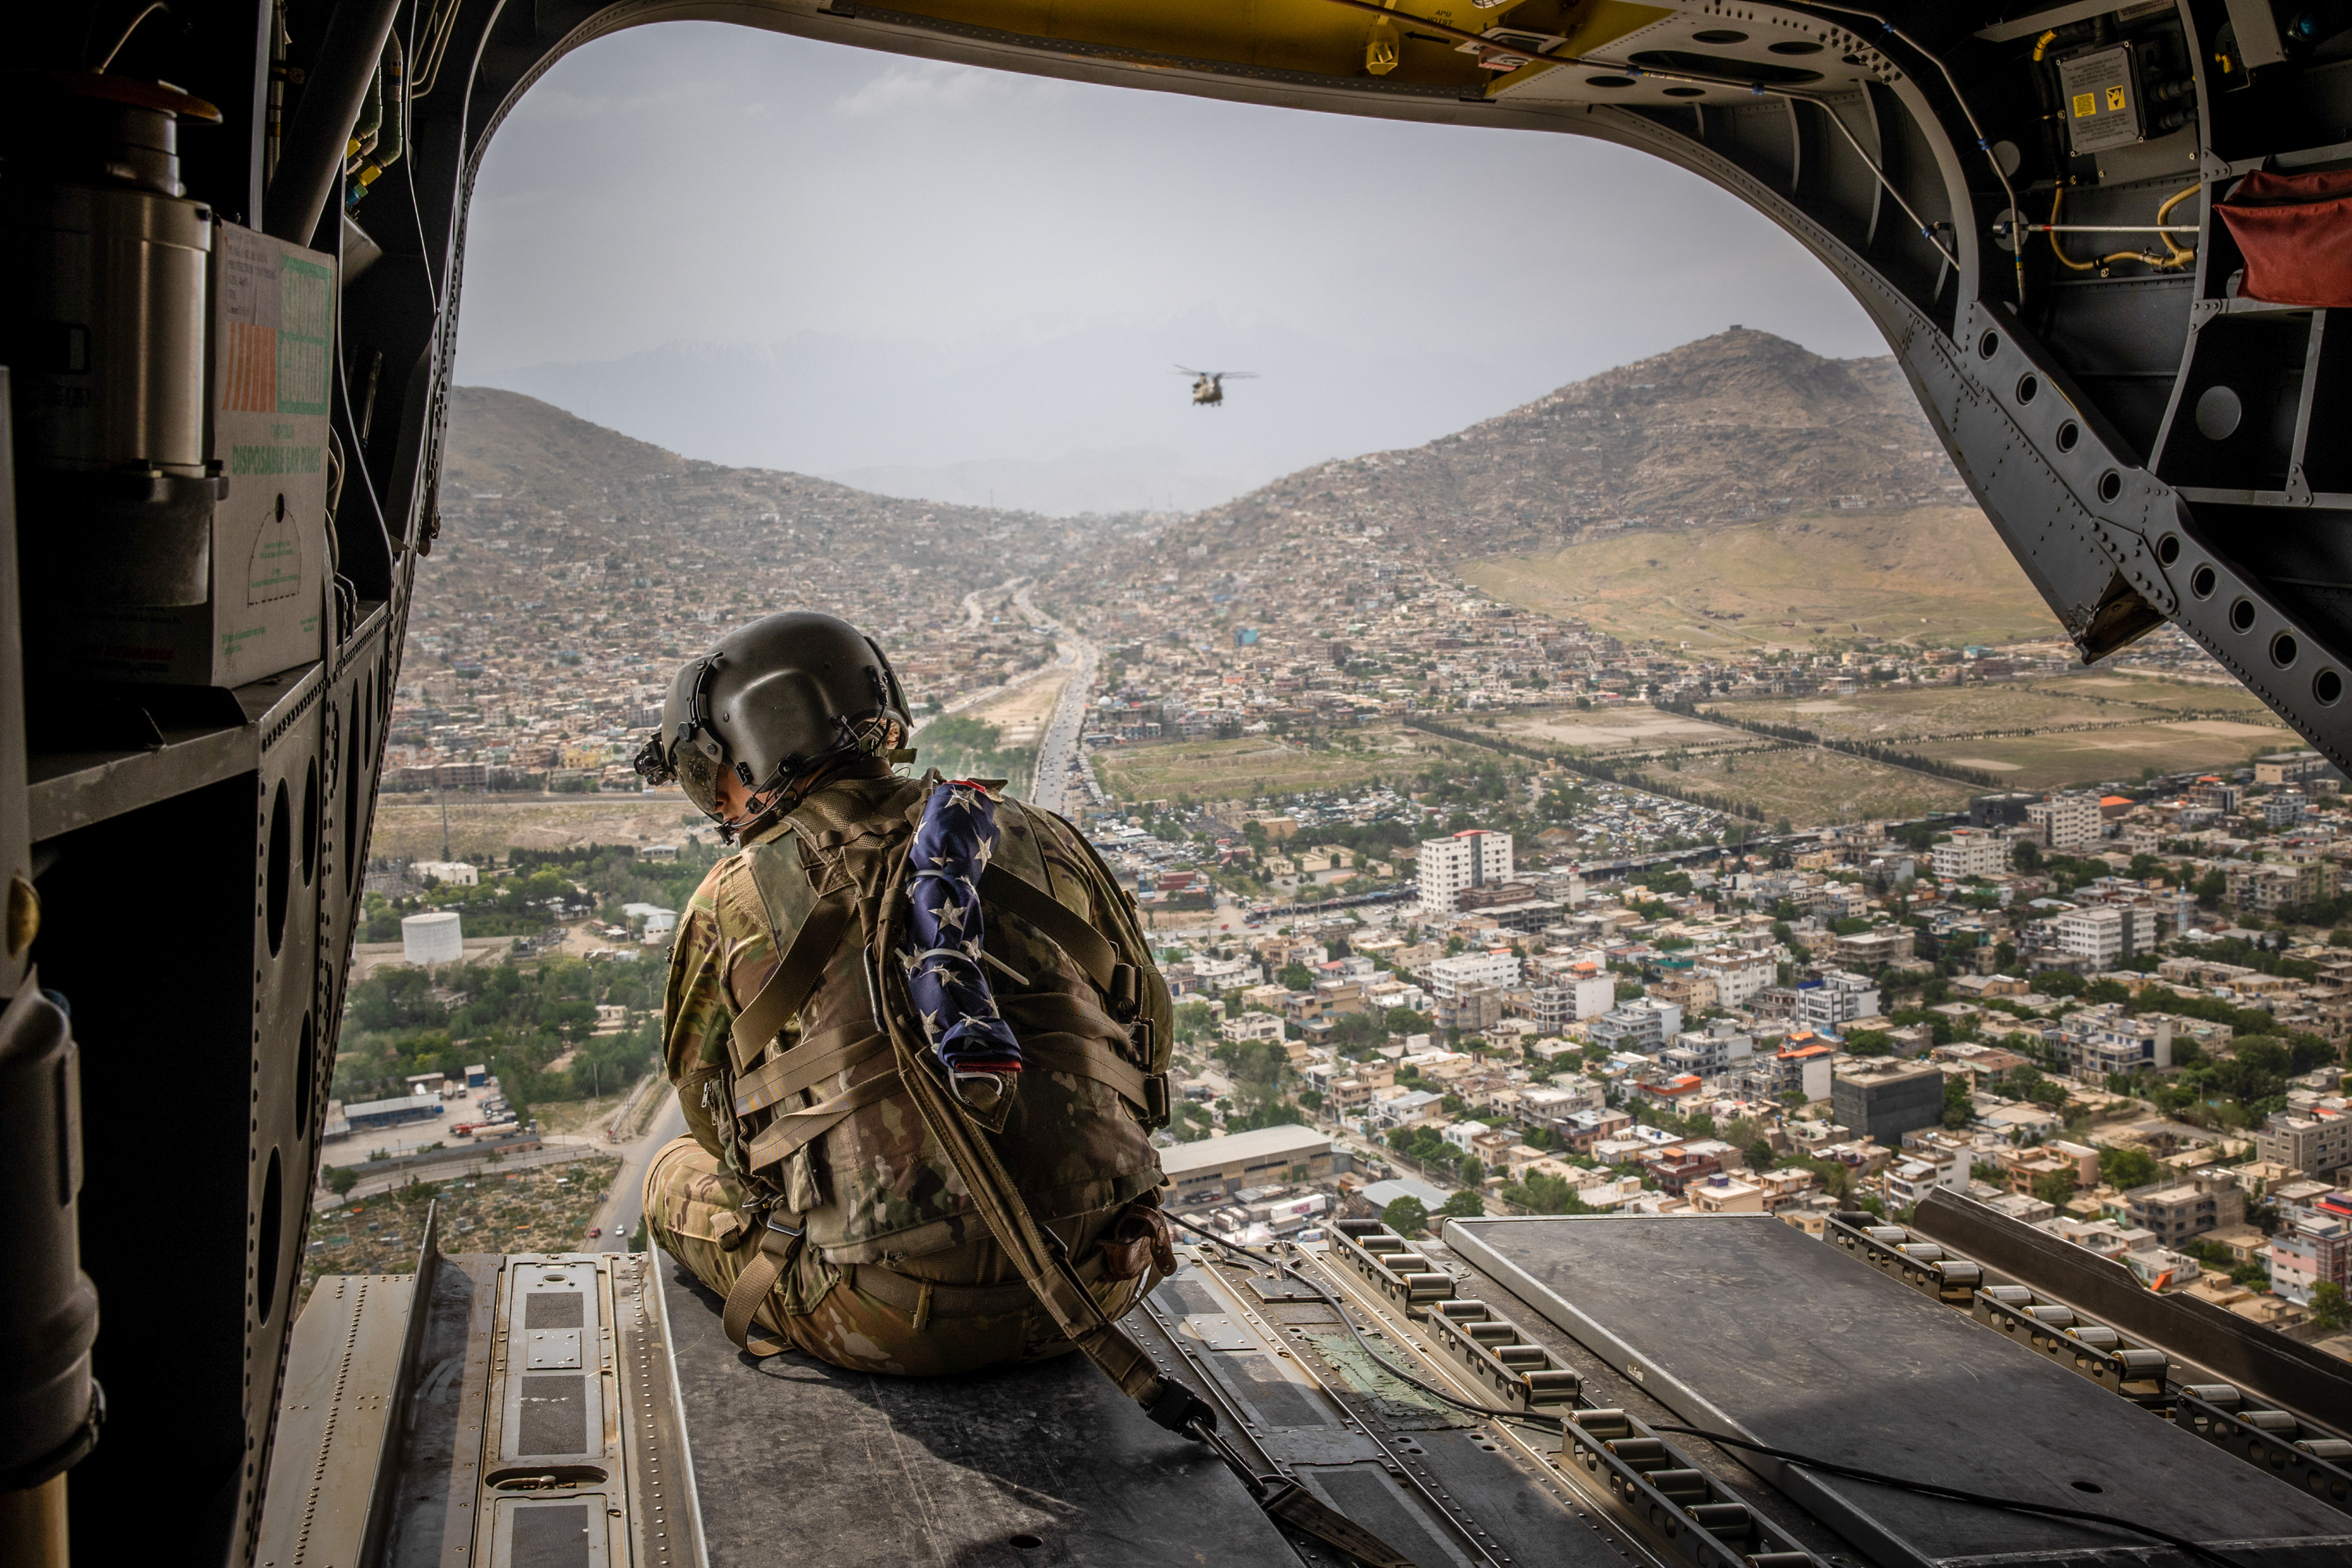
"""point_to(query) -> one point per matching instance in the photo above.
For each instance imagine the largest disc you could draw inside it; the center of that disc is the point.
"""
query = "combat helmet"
(776, 703)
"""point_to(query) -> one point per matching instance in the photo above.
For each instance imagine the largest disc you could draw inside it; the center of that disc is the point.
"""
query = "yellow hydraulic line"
(33, 1522)
(2058, 248)
(2181, 255)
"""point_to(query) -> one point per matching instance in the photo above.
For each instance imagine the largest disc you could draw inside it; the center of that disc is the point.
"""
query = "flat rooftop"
(1260, 1143)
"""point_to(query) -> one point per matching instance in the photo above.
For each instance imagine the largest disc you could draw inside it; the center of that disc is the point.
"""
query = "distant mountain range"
(1726, 446)
(1088, 419)
(1731, 441)
(1136, 478)
(587, 494)
(1730, 429)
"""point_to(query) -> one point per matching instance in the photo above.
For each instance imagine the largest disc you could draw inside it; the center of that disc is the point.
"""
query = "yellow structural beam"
(1314, 38)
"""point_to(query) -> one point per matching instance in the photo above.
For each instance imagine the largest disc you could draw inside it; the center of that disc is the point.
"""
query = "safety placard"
(2102, 92)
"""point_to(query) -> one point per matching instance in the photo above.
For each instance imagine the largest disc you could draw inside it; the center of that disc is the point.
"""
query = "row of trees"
(964, 748)
(1605, 773)
(537, 888)
(1870, 751)
(516, 1021)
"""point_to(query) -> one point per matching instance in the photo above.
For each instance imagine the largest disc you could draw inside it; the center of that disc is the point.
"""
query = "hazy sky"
(698, 182)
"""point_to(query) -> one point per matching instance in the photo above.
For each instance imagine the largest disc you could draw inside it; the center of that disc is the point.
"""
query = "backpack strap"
(1035, 1252)
(765, 1267)
(1088, 1057)
(1087, 948)
(793, 1131)
(796, 975)
(807, 1063)
(1044, 1261)
(1121, 985)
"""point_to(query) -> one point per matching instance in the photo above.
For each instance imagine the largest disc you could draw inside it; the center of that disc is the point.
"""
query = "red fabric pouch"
(2295, 233)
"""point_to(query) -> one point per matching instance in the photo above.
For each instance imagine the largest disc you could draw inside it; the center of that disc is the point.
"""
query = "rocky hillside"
(1735, 427)
(514, 461)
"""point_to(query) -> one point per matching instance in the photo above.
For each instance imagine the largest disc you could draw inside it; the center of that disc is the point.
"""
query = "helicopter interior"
(2103, 241)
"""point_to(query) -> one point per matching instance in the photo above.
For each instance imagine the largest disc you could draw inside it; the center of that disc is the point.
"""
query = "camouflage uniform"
(897, 1272)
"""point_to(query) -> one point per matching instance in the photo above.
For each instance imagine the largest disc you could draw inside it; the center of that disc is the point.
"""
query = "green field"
(1813, 788)
(1932, 575)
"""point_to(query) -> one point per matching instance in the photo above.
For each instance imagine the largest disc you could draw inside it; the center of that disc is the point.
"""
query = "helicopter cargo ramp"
(585, 1411)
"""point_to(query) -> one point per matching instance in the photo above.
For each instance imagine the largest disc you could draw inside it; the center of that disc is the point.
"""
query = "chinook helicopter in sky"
(1209, 385)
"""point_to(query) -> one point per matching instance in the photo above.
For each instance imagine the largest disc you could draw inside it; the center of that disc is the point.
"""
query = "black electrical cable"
(1829, 1467)
(357, 458)
(1955, 1494)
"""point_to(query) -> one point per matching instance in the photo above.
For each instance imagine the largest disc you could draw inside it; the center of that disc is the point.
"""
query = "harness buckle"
(761, 1212)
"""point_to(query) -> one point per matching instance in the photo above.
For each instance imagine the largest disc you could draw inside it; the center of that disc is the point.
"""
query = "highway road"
(624, 1205)
(1066, 652)
(1058, 748)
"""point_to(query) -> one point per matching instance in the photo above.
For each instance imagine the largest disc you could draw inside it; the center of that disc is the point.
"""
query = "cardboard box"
(268, 391)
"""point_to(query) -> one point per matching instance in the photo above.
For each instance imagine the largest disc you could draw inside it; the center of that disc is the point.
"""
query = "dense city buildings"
(1470, 859)
(1507, 905)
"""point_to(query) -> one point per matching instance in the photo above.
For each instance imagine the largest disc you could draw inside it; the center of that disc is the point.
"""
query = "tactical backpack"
(941, 960)
(827, 1126)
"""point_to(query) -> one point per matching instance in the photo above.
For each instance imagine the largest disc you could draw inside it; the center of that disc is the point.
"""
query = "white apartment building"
(1709, 1052)
(1471, 859)
(1917, 1173)
(1644, 1024)
(1461, 1133)
(1552, 1009)
(1594, 996)
(1570, 1000)
(1448, 977)
(2105, 1040)
(1217, 975)
(2105, 934)
(1972, 852)
(1250, 1026)
(1384, 998)
(1835, 1000)
(1738, 976)
(2066, 822)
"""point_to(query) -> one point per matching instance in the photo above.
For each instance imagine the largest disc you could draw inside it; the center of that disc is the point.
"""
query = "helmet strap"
(789, 793)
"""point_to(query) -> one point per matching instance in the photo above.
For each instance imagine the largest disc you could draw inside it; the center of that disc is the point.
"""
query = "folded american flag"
(945, 972)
